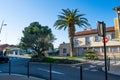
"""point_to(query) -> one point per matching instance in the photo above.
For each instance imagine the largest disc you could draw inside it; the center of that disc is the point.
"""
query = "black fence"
(48, 73)
(52, 71)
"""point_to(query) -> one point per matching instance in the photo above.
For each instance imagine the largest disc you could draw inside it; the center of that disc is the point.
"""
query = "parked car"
(3, 58)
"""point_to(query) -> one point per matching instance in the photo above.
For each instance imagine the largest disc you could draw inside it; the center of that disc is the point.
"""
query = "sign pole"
(105, 56)
(102, 32)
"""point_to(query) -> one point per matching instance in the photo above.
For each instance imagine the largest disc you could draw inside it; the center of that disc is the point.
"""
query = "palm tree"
(68, 19)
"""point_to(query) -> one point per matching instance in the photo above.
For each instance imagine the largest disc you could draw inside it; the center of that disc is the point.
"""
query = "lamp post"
(117, 9)
(3, 24)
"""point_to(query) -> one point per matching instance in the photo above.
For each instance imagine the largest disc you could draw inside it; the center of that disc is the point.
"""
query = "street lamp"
(3, 24)
(117, 9)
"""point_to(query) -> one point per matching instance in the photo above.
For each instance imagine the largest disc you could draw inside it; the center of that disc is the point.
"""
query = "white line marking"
(92, 66)
(94, 70)
(85, 68)
(49, 71)
(78, 67)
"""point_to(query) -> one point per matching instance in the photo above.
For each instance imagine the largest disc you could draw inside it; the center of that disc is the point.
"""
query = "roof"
(7, 46)
(93, 31)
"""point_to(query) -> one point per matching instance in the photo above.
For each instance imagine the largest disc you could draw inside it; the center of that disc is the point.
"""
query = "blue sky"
(18, 14)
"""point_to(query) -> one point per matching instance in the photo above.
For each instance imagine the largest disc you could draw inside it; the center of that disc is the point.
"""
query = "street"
(59, 71)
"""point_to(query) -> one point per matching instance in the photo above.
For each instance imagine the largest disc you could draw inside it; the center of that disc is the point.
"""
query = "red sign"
(106, 40)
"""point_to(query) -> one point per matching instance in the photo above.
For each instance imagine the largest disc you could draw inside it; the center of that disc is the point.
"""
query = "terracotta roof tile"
(93, 31)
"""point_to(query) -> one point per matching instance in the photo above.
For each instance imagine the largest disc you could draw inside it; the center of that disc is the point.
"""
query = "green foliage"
(55, 53)
(89, 51)
(37, 37)
(32, 55)
(89, 54)
(68, 19)
(50, 60)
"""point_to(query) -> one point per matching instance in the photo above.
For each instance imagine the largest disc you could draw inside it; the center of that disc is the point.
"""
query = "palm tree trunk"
(71, 32)
(71, 46)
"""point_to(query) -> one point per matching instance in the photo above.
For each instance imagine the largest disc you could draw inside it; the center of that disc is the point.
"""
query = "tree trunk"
(71, 32)
(71, 46)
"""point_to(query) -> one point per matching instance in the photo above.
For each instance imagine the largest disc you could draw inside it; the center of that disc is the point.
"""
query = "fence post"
(81, 74)
(108, 63)
(50, 71)
(115, 59)
(28, 69)
(9, 67)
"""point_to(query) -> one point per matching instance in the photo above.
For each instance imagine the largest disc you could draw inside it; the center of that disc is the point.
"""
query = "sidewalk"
(115, 68)
(16, 77)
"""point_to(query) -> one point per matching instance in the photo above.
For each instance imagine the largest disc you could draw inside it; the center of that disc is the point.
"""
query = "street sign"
(106, 40)
(101, 28)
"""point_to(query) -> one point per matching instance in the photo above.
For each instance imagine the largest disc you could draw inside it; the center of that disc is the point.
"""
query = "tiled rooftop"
(93, 31)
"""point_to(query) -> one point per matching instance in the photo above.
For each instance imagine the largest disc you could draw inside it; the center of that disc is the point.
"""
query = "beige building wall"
(81, 39)
(111, 43)
(64, 49)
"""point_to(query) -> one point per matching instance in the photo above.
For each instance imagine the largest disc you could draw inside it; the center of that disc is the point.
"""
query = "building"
(64, 49)
(89, 39)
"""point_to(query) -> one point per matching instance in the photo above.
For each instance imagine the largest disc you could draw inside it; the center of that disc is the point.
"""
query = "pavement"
(5, 76)
(114, 69)
(114, 66)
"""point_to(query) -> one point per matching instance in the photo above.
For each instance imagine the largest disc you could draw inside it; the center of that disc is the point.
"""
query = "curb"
(19, 75)
(110, 72)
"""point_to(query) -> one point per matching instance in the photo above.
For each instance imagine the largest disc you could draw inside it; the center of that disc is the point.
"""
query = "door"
(79, 51)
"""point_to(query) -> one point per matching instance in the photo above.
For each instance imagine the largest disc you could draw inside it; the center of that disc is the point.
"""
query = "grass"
(50, 59)
(60, 60)
(75, 58)
(69, 57)
(55, 59)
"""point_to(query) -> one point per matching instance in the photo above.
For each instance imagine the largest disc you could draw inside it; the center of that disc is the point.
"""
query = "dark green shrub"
(89, 54)
(55, 53)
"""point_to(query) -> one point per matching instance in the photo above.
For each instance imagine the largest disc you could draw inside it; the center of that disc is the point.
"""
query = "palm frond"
(61, 17)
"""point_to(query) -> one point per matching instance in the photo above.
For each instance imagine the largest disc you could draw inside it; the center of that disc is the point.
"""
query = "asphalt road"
(59, 72)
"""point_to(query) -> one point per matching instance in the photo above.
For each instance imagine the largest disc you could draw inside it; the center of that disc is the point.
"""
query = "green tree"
(68, 19)
(37, 37)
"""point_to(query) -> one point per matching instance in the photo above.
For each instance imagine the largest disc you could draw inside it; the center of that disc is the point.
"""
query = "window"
(97, 38)
(113, 36)
(119, 49)
(107, 49)
(97, 49)
(114, 49)
(87, 41)
(109, 36)
(76, 42)
(64, 50)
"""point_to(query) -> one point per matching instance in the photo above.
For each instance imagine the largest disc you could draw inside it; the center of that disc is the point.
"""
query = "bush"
(89, 54)
(32, 55)
(55, 53)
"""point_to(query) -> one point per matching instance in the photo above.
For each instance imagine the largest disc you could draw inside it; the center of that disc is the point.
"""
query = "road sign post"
(101, 27)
